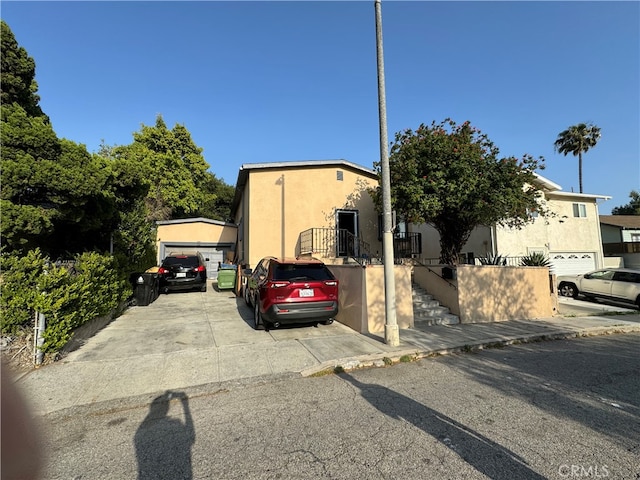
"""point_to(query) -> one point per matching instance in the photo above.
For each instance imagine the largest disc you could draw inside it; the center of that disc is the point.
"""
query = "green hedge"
(68, 297)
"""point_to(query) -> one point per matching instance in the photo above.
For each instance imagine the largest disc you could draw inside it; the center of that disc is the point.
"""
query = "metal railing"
(407, 244)
(620, 248)
(334, 243)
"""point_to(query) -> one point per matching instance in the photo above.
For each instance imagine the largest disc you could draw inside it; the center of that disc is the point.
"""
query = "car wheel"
(245, 294)
(328, 322)
(638, 302)
(257, 316)
(568, 290)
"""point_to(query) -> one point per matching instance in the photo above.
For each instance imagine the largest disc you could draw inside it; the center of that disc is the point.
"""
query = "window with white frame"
(579, 210)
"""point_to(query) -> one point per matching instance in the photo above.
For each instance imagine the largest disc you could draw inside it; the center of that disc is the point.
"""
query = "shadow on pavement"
(163, 443)
(483, 454)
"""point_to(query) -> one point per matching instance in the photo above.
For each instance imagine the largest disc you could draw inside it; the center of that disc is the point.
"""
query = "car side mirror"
(587, 276)
(247, 271)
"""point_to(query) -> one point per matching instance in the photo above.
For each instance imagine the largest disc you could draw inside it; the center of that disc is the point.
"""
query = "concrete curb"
(390, 358)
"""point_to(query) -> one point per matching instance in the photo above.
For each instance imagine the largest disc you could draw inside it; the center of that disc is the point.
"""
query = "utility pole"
(391, 333)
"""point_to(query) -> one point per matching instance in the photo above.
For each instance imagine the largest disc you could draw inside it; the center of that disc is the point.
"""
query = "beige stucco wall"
(362, 298)
(352, 296)
(376, 297)
(281, 203)
(196, 232)
(559, 233)
(493, 293)
(479, 242)
(202, 232)
(613, 262)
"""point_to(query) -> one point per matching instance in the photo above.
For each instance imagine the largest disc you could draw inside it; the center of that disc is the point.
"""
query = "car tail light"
(162, 271)
(278, 284)
(199, 269)
(331, 283)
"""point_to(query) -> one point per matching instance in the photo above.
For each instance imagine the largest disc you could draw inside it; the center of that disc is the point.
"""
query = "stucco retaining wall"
(362, 298)
(487, 293)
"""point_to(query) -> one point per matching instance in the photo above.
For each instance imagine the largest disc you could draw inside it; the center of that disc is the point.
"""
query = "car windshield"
(600, 275)
(293, 272)
(184, 260)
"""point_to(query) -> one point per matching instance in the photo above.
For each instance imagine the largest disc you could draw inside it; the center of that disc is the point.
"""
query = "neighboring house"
(570, 237)
(214, 239)
(621, 238)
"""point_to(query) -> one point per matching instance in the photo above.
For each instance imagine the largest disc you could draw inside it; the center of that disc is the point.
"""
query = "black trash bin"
(449, 273)
(146, 288)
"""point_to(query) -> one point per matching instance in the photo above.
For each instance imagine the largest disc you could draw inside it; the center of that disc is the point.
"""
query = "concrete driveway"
(580, 307)
(182, 340)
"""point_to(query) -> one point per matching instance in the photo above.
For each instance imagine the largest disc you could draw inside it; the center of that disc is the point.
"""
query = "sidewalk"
(194, 339)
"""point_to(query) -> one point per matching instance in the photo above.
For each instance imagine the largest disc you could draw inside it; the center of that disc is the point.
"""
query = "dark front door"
(347, 242)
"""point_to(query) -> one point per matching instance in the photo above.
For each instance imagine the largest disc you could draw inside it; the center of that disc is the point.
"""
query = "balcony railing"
(610, 249)
(407, 244)
(332, 242)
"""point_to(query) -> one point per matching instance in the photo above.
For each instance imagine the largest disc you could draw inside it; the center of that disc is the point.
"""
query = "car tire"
(245, 294)
(638, 302)
(568, 290)
(257, 316)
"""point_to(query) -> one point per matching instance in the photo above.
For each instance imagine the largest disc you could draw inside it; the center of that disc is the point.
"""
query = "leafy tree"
(18, 75)
(450, 176)
(577, 139)
(174, 166)
(54, 194)
(632, 208)
(218, 198)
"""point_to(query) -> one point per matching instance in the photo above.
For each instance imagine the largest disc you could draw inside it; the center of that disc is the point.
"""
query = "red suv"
(290, 290)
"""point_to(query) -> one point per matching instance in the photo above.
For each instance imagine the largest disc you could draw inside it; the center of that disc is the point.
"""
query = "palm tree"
(577, 139)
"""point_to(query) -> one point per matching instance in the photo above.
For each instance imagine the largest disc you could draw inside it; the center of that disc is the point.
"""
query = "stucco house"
(621, 238)
(320, 208)
(570, 237)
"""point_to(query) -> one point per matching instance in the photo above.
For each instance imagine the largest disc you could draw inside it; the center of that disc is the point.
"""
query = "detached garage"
(214, 239)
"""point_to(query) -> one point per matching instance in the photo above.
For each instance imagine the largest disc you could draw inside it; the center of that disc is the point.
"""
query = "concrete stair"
(428, 311)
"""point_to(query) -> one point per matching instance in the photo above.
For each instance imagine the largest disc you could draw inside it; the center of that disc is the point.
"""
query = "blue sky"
(276, 81)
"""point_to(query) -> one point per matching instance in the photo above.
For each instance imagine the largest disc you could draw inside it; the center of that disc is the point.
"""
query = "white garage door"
(571, 263)
(214, 255)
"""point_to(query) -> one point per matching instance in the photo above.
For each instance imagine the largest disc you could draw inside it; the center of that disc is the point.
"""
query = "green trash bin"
(227, 276)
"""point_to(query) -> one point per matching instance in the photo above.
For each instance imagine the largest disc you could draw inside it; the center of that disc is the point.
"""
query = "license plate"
(181, 275)
(306, 292)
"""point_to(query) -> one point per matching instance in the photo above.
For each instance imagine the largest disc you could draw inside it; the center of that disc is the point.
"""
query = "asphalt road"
(558, 409)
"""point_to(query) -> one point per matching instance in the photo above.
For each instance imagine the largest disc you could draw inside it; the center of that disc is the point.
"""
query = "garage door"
(214, 255)
(570, 263)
